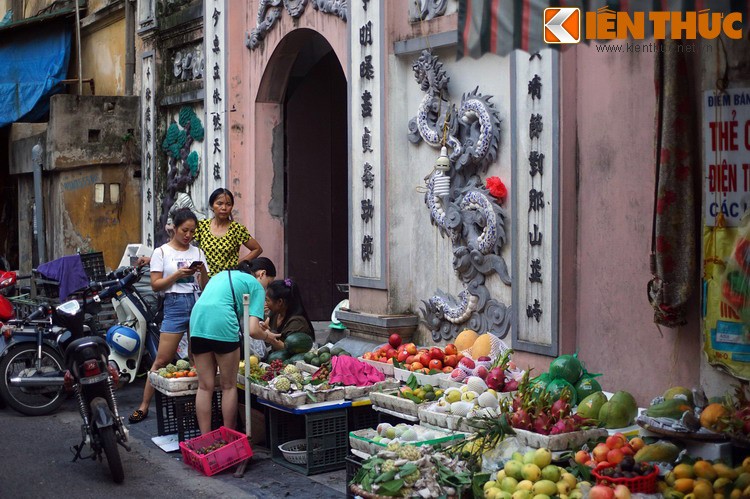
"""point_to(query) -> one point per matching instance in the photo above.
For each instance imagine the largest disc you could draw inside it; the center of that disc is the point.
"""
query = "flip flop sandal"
(137, 416)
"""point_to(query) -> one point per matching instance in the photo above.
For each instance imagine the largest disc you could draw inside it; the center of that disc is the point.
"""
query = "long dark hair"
(288, 291)
(260, 263)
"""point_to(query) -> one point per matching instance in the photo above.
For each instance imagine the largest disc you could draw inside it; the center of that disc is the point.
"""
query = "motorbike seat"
(81, 344)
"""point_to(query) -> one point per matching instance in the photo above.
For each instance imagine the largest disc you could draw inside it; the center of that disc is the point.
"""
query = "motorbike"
(134, 340)
(34, 375)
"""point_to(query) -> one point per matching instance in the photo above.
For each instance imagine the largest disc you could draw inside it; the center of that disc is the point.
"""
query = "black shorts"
(204, 345)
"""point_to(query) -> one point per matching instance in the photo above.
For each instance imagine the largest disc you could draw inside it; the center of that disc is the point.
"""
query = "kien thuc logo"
(562, 25)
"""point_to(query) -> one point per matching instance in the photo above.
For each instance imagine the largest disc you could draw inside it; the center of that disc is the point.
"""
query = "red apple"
(394, 340)
(416, 366)
(615, 456)
(411, 359)
(448, 369)
(450, 349)
(600, 452)
(616, 441)
(467, 363)
(627, 450)
(582, 457)
(402, 355)
(424, 358)
(637, 443)
(411, 348)
(601, 492)
(436, 364)
(436, 353)
(484, 358)
(450, 360)
(481, 371)
(391, 353)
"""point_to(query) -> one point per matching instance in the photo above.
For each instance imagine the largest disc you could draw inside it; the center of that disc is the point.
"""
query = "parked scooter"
(134, 341)
(94, 379)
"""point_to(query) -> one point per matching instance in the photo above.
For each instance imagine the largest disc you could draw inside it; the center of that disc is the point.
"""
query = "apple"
(411, 359)
(627, 450)
(367, 356)
(484, 358)
(616, 441)
(416, 366)
(600, 452)
(450, 360)
(637, 443)
(448, 369)
(391, 353)
(582, 457)
(424, 359)
(481, 371)
(435, 364)
(411, 348)
(614, 456)
(394, 340)
(450, 349)
(436, 353)
(402, 355)
(601, 492)
(467, 363)
(622, 492)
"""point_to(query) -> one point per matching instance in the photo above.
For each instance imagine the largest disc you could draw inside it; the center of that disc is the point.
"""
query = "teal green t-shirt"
(214, 315)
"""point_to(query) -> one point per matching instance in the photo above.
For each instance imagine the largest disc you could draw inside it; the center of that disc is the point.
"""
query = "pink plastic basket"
(236, 450)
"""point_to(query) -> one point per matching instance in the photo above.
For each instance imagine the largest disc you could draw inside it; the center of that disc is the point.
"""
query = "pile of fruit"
(419, 394)
(472, 399)
(180, 369)
(494, 373)
(423, 360)
(532, 475)
(322, 356)
(730, 415)
(408, 471)
(706, 479)
(273, 370)
(541, 412)
(210, 448)
(288, 380)
(617, 412)
(567, 375)
(404, 433)
(611, 452)
(296, 345)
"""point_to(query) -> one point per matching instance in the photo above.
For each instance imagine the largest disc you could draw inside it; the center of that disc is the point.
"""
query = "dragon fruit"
(560, 409)
(542, 424)
(495, 379)
(558, 428)
(510, 386)
(521, 420)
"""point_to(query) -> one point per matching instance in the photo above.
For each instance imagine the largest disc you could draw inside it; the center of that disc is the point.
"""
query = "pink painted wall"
(252, 123)
(616, 335)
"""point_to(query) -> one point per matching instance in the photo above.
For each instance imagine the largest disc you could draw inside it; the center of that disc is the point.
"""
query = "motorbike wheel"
(109, 444)
(30, 401)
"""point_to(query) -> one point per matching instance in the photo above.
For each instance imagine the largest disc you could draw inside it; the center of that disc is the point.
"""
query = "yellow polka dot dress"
(221, 252)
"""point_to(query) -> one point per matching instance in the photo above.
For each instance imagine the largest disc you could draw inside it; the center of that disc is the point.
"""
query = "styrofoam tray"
(563, 441)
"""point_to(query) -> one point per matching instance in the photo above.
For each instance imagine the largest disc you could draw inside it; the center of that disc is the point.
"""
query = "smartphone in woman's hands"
(196, 264)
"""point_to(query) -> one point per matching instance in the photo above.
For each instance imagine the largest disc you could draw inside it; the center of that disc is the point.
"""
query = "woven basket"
(295, 451)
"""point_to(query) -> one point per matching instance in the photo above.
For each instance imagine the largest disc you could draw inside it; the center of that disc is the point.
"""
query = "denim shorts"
(177, 308)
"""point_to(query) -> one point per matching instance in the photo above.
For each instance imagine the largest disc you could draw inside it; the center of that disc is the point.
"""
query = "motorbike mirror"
(71, 307)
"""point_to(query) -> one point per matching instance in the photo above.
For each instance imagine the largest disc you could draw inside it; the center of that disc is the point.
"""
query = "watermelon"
(298, 343)
(566, 367)
(281, 355)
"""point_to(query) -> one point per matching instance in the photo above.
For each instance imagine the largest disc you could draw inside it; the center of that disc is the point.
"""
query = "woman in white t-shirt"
(180, 271)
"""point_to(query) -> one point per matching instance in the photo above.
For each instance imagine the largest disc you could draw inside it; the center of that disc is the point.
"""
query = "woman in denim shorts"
(180, 271)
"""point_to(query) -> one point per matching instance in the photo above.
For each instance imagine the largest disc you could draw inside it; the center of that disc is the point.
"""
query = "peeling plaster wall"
(76, 162)
(103, 58)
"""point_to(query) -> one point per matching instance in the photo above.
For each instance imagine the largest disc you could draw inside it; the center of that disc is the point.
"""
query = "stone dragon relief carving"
(468, 215)
(269, 12)
(425, 10)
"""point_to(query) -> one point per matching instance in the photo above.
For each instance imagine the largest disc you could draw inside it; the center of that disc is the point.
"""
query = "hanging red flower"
(497, 188)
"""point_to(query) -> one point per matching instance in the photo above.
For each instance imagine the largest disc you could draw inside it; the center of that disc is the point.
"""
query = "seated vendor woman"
(286, 311)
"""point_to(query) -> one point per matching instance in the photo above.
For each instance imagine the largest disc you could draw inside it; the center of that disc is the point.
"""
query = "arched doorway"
(311, 90)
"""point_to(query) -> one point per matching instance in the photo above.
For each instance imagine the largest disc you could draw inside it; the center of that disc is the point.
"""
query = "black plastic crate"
(93, 265)
(177, 415)
(353, 464)
(363, 417)
(326, 434)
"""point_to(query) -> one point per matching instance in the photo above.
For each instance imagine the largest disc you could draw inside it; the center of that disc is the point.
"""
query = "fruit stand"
(471, 423)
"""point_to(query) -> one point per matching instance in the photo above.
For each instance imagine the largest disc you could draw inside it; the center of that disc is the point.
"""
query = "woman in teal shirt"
(214, 333)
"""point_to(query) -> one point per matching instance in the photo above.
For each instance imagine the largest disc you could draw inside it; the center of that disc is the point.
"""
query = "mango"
(590, 406)
(683, 470)
(661, 451)
(703, 490)
(743, 481)
(684, 485)
(704, 469)
(673, 494)
(722, 484)
(724, 471)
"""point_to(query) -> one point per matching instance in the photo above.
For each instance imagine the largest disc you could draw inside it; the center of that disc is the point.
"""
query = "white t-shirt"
(167, 260)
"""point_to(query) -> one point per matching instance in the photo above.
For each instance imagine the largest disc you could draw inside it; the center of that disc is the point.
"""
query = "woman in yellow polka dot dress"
(221, 237)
